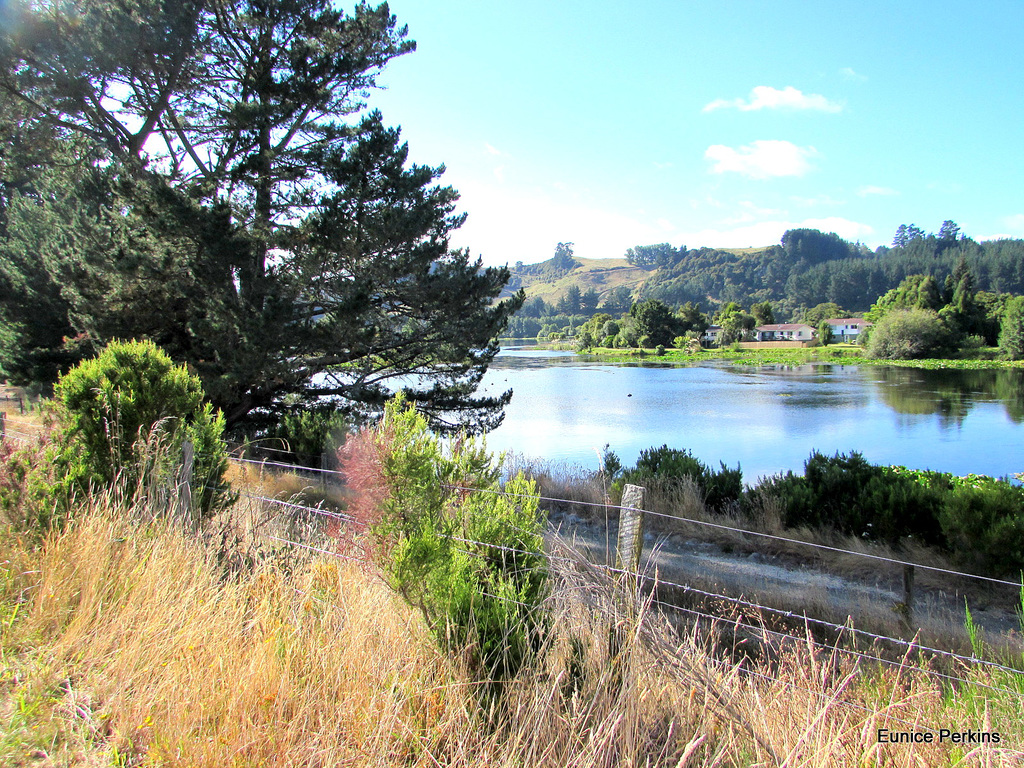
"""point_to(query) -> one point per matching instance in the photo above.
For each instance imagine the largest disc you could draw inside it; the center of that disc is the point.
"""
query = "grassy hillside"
(600, 274)
(808, 268)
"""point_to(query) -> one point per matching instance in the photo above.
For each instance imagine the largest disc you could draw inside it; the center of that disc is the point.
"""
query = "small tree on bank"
(127, 413)
(907, 334)
(1011, 336)
(825, 335)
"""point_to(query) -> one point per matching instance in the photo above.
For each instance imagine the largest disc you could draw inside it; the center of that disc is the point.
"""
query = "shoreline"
(833, 354)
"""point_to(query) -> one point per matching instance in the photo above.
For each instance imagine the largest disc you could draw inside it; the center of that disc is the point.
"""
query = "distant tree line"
(811, 267)
(807, 269)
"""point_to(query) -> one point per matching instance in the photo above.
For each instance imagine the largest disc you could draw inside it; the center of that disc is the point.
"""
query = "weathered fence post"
(627, 562)
(631, 529)
(3, 425)
(184, 489)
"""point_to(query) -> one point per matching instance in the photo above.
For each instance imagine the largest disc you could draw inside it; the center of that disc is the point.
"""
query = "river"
(768, 419)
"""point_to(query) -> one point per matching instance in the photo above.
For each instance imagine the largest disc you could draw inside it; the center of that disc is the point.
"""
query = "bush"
(471, 562)
(28, 485)
(667, 464)
(983, 523)
(124, 417)
(1011, 334)
(847, 493)
(909, 334)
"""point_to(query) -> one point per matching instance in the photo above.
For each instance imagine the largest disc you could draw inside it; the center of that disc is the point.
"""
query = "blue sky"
(713, 123)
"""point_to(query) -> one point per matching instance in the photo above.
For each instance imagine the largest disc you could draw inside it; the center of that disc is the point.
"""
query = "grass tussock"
(131, 645)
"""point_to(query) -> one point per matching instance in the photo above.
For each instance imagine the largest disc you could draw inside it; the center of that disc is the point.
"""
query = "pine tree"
(246, 220)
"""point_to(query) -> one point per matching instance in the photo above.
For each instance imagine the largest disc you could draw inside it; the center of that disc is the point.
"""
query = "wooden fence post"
(627, 561)
(631, 529)
(3, 425)
(907, 607)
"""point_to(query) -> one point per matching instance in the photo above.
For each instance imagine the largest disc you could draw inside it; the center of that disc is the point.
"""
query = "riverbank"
(835, 354)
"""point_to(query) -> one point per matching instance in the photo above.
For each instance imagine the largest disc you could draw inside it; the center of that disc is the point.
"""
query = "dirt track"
(795, 586)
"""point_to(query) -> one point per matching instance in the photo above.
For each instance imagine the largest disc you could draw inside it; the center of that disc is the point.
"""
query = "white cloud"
(492, 150)
(766, 97)
(871, 189)
(849, 74)
(761, 159)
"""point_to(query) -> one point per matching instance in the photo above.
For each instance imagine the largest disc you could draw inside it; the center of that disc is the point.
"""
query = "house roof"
(783, 327)
(847, 321)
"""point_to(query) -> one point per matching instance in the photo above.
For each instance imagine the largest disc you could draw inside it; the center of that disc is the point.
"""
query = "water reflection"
(768, 418)
(950, 394)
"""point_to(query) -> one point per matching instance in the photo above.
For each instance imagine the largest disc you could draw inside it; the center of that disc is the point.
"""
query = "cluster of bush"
(119, 424)
(978, 520)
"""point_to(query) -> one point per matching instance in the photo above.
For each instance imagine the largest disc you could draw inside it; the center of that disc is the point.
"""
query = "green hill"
(806, 269)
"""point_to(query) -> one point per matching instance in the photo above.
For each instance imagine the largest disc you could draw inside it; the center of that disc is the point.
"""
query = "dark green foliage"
(720, 487)
(305, 437)
(655, 321)
(829, 310)
(737, 325)
(1011, 336)
(124, 417)
(650, 256)
(983, 523)
(849, 494)
(813, 246)
(618, 300)
(242, 220)
(570, 303)
(906, 234)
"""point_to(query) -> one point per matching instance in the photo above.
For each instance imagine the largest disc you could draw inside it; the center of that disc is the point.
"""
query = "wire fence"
(655, 583)
(910, 648)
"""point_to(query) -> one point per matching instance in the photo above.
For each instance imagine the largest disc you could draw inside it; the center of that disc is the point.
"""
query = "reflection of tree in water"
(950, 394)
(1009, 389)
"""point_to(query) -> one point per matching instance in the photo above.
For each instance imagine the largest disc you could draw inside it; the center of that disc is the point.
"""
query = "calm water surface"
(767, 418)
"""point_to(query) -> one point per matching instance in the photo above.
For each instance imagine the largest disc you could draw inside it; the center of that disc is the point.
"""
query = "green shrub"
(28, 485)
(983, 523)
(471, 562)
(1011, 333)
(666, 464)
(124, 417)
(849, 494)
(908, 334)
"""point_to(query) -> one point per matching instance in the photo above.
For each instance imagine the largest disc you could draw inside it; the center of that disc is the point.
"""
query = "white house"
(847, 329)
(784, 332)
(712, 336)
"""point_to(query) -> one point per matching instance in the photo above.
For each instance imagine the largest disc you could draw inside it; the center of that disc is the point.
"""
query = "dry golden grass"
(127, 645)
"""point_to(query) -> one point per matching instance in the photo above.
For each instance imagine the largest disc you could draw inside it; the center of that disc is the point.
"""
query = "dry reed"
(132, 644)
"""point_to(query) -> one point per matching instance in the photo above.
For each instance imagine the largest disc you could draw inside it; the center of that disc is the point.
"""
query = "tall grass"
(130, 644)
